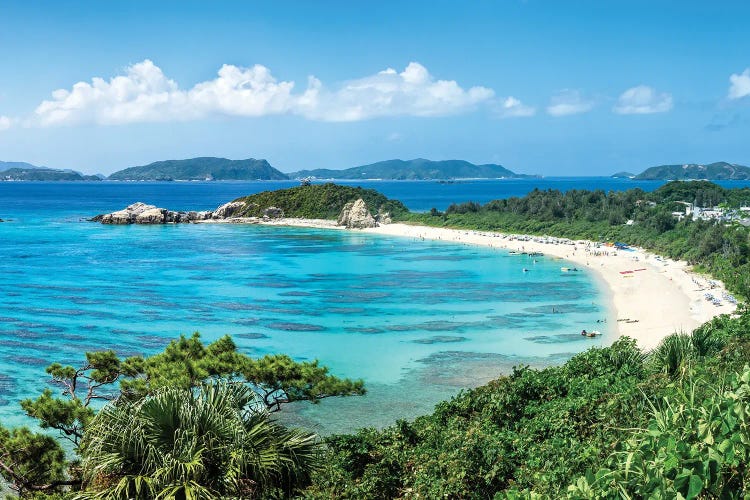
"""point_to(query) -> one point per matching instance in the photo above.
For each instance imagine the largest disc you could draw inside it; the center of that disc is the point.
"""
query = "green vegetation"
(219, 399)
(722, 249)
(209, 442)
(610, 423)
(418, 169)
(714, 171)
(318, 201)
(201, 169)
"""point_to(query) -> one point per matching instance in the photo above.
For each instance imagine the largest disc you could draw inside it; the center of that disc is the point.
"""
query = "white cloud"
(642, 100)
(510, 107)
(145, 94)
(5, 123)
(413, 92)
(569, 102)
(739, 85)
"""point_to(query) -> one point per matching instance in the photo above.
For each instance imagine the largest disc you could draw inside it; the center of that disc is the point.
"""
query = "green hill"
(718, 171)
(219, 169)
(317, 201)
(43, 174)
(418, 169)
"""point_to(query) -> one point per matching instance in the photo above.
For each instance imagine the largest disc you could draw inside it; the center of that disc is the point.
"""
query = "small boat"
(525, 270)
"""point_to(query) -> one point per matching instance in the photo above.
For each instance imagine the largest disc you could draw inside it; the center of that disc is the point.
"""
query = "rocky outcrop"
(383, 217)
(228, 210)
(273, 213)
(141, 213)
(355, 215)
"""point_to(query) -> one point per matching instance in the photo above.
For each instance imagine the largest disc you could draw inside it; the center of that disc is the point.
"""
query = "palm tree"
(206, 442)
(674, 354)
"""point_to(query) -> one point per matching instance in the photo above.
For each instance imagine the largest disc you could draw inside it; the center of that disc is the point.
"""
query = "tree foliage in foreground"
(32, 462)
(206, 442)
(184, 363)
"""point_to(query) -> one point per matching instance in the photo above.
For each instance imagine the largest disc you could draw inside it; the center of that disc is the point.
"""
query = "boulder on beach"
(355, 215)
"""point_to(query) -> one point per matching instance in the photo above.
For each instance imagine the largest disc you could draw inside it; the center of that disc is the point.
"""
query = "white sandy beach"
(664, 297)
(658, 297)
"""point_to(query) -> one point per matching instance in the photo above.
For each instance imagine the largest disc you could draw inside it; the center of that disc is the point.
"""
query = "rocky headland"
(354, 215)
(345, 206)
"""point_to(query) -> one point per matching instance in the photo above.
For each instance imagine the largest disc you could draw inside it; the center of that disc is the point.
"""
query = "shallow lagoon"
(418, 320)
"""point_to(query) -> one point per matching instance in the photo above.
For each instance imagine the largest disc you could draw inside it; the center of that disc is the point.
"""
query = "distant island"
(622, 175)
(208, 168)
(719, 171)
(199, 169)
(418, 169)
(22, 171)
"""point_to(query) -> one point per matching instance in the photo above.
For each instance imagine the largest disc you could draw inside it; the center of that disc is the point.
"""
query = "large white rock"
(127, 215)
(228, 210)
(152, 216)
(355, 215)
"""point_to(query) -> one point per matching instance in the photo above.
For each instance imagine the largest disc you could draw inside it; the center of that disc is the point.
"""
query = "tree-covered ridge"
(318, 201)
(714, 171)
(417, 169)
(201, 169)
(634, 216)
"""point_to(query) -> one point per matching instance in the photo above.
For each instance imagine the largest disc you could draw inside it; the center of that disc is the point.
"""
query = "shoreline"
(651, 296)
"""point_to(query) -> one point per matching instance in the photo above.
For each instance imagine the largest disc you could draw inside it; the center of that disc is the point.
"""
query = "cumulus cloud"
(5, 123)
(569, 102)
(642, 100)
(143, 93)
(739, 85)
(510, 107)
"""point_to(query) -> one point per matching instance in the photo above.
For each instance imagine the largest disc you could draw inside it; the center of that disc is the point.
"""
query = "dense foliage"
(722, 249)
(319, 201)
(549, 432)
(207, 442)
(32, 462)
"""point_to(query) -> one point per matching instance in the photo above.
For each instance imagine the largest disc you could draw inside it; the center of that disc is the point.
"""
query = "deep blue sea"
(417, 320)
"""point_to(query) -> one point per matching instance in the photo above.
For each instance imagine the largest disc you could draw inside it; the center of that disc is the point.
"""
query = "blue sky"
(554, 88)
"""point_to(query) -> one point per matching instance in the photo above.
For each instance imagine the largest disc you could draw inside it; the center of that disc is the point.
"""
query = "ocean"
(417, 320)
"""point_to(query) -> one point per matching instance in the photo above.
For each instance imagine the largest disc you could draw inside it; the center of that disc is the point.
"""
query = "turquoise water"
(418, 320)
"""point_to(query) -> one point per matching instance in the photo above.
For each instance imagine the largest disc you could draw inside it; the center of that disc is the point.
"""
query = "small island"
(22, 171)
